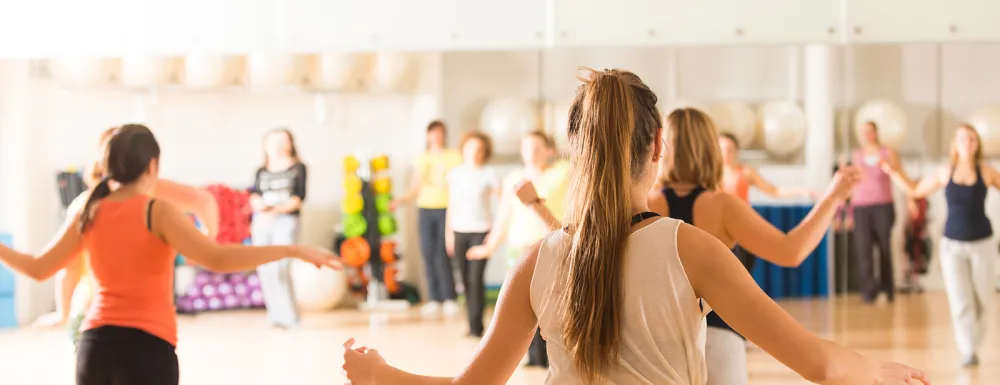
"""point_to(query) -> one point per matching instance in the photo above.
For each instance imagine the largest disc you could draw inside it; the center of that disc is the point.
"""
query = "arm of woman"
(256, 202)
(411, 192)
(63, 249)
(918, 188)
(528, 196)
(766, 187)
(991, 177)
(499, 229)
(172, 226)
(298, 193)
(722, 281)
(499, 352)
(191, 199)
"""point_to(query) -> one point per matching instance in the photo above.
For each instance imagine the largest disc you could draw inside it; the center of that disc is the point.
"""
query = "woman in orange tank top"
(130, 331)
(188, 198)
(738, 178)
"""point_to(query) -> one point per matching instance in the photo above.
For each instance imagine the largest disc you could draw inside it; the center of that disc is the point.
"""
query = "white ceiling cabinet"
(794, 21)
(500, 24)
(894, 21)
(702, 22)
(600, 23)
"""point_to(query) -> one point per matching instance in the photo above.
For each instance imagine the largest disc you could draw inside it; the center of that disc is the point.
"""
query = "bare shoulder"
(698, 250)
(525, 264)
(943, 173)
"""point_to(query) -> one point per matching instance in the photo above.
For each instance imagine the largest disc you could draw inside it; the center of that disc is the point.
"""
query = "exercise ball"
(271, 70)
(83, 71)
(890, 119)
(736, 119)
(783, 125)
(392, 70)
(559, 124)
(986, 121)
(144, 71)
(506, 120)
(317, 289)
(338, 71)
(201, 71)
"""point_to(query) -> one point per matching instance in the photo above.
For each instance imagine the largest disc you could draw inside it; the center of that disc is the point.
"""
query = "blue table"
(811, 279)
(7, 284)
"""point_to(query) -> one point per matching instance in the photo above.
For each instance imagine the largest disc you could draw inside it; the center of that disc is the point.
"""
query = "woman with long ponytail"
(618, 292)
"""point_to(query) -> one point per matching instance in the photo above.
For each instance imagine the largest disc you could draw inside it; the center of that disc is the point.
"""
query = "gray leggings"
(726, 357)
(275, 277)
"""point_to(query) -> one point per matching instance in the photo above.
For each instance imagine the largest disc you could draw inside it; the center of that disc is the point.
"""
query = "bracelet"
(536, 201)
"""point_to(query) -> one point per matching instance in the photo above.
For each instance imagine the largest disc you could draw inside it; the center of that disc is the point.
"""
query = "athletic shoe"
(450, 308)
(431, 310)
(971, 361)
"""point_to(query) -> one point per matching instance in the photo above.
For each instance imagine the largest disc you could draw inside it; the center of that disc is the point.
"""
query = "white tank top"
(663, 326)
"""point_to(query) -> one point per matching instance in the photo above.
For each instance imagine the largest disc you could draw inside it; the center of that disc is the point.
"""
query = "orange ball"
(389, 279)
(355, 252)
(388, 251)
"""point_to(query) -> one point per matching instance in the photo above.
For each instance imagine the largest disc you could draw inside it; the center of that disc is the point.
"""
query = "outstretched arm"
(917, 188)
(764, 186)
(63, 249)
(990, 175)
(411, 192)
(722, 281)
(191, 199)
(498, 354)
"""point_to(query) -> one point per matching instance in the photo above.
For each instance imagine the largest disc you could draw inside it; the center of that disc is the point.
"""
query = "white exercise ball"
(559, 124)
(735, 118)
(206, 71)
(338, 71)
(507, 120)
(317, 289)
(271, 70)
(889, 117)
(986, 121)
(392, 70)
(783, 125)
(144, 71)
(83, 71)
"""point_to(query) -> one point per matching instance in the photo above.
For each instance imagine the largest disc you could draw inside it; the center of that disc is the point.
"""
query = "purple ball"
(184, 304)
(245, 301)
(199, 304)
(231, 301)
(193, 291)
(208, 291)
(218, 278)
(240, 289)
(237, 277)
(257, 298)
(225, 289)
(215, 303)
(253, 281)
(202, 278)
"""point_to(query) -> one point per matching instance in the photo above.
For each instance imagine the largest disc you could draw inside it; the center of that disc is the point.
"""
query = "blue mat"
(7, 284)
(811, 279)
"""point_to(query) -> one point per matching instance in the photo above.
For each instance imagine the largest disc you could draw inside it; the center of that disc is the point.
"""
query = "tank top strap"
(682, 207)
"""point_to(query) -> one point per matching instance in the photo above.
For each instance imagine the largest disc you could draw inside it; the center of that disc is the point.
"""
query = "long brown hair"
(693, 154)
(612, 123)
(978, 156)
(127, 155)
(293, 151)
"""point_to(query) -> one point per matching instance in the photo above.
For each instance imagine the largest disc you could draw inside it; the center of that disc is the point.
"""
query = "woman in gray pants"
(276, 197)
(967, 249)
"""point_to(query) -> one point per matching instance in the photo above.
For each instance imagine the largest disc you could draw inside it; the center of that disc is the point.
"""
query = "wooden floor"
(237, 349)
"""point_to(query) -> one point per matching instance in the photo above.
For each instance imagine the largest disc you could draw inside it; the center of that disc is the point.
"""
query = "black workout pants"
(473, 272)
(112, 355)
(873, 229)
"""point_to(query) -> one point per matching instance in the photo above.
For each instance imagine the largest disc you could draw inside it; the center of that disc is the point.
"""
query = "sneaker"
(971, 361)
(431, 309)
(450, 308)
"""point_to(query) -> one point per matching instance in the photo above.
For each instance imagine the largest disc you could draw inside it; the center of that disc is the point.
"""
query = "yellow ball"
(382, 185)
(351, 164)
(380, 163)
(352, 185)
(352, 204)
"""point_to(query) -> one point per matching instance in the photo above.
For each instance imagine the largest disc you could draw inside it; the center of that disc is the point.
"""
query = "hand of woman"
(844, 182)
(361, 364)
(526, 192)
(479, 252)
(318, 257)
(449, 243)
(898, 374)
(50, 320)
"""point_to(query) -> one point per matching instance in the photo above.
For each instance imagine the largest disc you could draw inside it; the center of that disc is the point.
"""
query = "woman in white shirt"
(473, 187)
(618, 292)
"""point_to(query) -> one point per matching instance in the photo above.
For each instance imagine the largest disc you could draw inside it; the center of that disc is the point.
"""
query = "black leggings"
(473, 271)
(873, 230)
(112, 355)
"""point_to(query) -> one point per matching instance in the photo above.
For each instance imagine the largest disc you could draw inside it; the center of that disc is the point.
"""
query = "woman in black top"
(276, 198)
(967, 249)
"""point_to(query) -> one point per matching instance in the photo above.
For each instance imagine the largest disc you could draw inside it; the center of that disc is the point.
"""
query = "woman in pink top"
(874, 215)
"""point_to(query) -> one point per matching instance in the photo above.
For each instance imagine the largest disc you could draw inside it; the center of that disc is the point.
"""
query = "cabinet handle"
(739, 31)
(652, 33)
(832, 30)
(953, 28)
(858, 30)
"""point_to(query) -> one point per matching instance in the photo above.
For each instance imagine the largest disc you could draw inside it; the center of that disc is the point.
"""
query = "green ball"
(355, 225)
(386, 224)
(382, 202)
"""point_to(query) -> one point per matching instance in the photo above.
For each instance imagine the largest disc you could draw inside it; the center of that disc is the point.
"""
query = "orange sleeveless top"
(133, 271)
(738, 186)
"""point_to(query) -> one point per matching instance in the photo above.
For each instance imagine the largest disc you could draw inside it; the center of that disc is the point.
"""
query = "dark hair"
(293, 151)
(437, 125)
(95, 171)
(731, 137)
(127, 155)
(482, 138)
(613, 123)
(547, 139)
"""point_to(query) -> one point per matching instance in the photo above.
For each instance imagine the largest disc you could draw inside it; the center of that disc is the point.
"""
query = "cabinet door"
(794, 21)
(702, 22)
(79, 28)
(896, 21)
(414, 25)
(600, 23)
(499, 24)
(975, 20)
(323, 25)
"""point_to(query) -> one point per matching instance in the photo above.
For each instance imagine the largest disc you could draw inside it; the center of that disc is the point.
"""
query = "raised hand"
(318, 257)
(844, 182)
(526, 192)
(361, 364)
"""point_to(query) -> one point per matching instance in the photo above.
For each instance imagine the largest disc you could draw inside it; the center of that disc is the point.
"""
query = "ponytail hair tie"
(106, 179)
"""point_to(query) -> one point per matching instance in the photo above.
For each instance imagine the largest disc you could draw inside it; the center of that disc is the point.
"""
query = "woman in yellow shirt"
(523, 225)
(429, 188)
